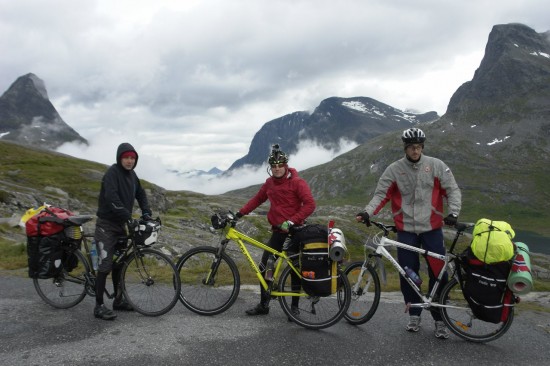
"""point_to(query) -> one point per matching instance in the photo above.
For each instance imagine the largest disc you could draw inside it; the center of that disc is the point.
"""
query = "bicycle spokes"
(141, 267)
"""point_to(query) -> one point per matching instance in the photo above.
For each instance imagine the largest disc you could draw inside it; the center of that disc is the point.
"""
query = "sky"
(189, 82)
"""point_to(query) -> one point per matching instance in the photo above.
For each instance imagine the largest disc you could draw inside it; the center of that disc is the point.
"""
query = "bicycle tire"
(219, 295)
(150, 282)
(69, 288)
(315, 312)
(460, 320)
(365, 293)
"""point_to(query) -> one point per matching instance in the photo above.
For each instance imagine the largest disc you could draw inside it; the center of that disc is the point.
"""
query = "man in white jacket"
(417, 186)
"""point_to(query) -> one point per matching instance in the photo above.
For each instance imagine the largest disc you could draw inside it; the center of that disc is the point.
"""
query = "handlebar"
(459, 226)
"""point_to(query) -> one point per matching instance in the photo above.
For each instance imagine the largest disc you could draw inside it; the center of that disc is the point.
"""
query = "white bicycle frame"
(381, 243)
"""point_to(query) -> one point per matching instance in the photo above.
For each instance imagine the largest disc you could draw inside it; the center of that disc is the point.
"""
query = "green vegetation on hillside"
(29, 169)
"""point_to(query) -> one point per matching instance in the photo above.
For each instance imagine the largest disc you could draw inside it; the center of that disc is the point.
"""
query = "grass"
(531, 306)
(12, 255)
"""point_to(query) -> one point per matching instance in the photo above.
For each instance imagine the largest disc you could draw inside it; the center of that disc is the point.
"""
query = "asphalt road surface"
(33, 333)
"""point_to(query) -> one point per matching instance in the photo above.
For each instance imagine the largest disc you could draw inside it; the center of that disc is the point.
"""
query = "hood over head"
(122, 148)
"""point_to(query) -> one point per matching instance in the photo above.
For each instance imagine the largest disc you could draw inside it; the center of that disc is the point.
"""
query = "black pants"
(106, 237)
(276, 242)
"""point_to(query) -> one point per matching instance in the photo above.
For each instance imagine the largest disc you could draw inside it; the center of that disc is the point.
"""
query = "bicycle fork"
(210, 278)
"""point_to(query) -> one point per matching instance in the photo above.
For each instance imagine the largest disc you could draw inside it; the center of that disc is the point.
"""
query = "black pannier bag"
(485, 289)
(70, 261)
(33, 255)
(316, 267)
(45, 255)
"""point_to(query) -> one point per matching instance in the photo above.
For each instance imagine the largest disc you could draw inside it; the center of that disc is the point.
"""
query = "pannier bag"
(485, 288)
(319, 272)
(45, 255)
(492, 241)
(70, 261)
(44, 243)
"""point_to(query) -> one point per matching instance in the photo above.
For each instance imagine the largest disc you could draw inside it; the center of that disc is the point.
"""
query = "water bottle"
(93, 254)
(413, 276)
(269, 269)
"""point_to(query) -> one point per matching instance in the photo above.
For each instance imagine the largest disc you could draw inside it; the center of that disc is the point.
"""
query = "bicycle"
(149, 280)
(211, 280)
(453, 306)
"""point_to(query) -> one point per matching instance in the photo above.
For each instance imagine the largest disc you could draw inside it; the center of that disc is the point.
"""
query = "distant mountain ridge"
(355, 119)
(197, 172)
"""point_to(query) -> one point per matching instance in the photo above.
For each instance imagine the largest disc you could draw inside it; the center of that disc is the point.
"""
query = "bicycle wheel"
(315, 312)
(67, 289)
(209, 284)
(150, 282)
(365, 292)
(461, 321)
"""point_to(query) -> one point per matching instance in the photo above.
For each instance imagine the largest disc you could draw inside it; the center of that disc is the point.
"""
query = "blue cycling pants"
(431, 241)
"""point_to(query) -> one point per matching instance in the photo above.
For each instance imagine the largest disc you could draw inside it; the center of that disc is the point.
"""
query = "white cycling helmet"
(413, 136)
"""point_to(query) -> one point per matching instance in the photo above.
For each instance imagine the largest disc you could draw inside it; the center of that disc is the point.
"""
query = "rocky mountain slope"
(28, 116)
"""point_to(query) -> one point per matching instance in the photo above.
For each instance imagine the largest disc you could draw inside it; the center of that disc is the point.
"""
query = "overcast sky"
(189, 83)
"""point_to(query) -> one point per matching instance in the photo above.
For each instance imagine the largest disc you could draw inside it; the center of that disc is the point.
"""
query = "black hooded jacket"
(119, 189)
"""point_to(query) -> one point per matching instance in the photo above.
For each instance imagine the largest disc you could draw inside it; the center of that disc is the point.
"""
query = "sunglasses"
(277, 165)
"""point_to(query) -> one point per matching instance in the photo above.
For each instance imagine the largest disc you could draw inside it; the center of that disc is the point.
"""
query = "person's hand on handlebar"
(363, 217)
(131, 225)
(451, 220)
(146, 217)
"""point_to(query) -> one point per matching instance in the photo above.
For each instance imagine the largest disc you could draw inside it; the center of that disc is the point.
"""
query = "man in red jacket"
(291, 203)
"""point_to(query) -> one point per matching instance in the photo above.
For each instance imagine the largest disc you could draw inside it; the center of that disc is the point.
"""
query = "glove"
(451, 220)
(146, 217)
(132, 224)
(363, 217)
(238, 215)
(285, 226)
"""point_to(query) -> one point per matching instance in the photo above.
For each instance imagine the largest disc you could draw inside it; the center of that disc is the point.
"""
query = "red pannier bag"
(44, 243)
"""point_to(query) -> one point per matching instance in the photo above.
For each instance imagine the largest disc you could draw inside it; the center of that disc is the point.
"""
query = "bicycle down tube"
(241, 238)
(427, 301)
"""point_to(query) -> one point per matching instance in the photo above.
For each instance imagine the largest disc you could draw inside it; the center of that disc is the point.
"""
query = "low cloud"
(154, 169)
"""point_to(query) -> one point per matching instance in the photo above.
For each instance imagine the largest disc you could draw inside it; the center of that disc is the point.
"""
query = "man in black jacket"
(120, 186)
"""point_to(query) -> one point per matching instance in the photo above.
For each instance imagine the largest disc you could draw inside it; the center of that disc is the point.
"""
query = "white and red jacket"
(417, 192)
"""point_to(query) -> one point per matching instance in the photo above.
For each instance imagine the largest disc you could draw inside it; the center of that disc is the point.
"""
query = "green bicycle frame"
(240, 238)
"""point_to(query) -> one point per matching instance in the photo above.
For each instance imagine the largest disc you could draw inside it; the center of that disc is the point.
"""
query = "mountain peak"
(27, 116)
(513, 74)
(39, 85)
(356, 119)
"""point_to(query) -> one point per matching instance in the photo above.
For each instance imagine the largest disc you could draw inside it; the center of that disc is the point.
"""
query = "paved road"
(32, 333)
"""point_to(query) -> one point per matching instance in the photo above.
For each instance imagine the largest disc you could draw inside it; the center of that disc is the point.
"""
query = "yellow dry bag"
(492, 241)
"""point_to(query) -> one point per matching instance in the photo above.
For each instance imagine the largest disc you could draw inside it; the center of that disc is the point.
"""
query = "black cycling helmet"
(413, 136)
(277, 156)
